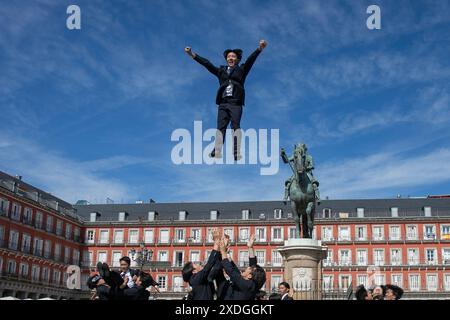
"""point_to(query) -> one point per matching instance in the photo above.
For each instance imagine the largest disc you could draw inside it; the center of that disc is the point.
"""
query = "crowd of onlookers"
(379, 292)
(218, 279)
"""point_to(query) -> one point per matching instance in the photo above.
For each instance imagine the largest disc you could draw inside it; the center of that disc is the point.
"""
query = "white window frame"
(325, 233)
(392, 236)
(409, 235)
(160, 239)
(103, 240)
(117, 240)
(272, 234)
(340, 236)
(379, 262)
(152, 238)
(375, 236)
(346, 261)
(262, 239)
(429, 236)
(364, 261)
(90, 241)
(130, 240)
(393, 260)
(411, 288)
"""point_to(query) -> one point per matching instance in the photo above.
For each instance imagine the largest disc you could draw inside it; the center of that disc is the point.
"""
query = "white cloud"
(68, 179)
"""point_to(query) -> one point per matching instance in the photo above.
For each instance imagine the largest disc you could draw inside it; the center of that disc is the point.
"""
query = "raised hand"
(189, 52)
(251, 241)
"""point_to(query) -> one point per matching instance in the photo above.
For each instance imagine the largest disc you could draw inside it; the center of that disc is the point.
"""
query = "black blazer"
(241, 289)
(202, 289)
(237, 77)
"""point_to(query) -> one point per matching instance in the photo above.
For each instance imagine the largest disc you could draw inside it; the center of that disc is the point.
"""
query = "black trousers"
(228, 112)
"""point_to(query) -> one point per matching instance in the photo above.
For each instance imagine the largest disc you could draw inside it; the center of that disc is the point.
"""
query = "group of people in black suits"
(379, 292)
(220, 278)
(128, 284)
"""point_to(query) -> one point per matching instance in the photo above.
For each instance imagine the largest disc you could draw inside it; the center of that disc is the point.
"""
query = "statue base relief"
(302, 260)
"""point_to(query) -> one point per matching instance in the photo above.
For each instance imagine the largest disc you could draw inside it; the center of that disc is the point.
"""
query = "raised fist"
(262, 44)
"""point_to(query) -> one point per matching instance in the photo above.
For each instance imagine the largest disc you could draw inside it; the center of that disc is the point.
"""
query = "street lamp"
(143, 256)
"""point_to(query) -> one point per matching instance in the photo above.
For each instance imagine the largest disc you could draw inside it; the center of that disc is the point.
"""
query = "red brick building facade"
(403, 241)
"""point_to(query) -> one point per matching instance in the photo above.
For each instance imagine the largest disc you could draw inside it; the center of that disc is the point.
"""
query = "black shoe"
(100, 269)
(105, 269)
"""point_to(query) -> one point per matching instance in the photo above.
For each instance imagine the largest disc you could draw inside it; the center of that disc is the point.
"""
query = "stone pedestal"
(302, 259)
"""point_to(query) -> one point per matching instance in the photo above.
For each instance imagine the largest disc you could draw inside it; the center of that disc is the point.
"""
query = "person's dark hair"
(361, 292)
(285, 284)
(238, 53)
(187, 271)
(398, 292)
(126, 259)
(274, 296)
(260, 295)
(259, 276)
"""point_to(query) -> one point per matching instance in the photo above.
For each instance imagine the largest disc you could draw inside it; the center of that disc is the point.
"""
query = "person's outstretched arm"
(203, 61)
(252, 261)
(252, 58)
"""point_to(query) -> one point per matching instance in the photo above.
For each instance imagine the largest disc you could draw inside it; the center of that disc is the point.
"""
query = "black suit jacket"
(202, 289)
(237, 77)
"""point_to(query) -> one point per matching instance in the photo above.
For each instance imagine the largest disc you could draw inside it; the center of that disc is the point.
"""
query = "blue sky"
(88, 114)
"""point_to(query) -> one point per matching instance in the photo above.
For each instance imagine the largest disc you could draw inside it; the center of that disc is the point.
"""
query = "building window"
(4, 206)
(445, 232)
(182, 215)
(195, 257)
(15, 214)
(447, 282)
(344, 281)
(413, 256)
(133, 236)
(177, 284)
(394, 233)
(361, 233)
(76, 257)
(329, 260)
(243, 234)
(394, 212)
(411, 232)
(261, 257)
(151, 216)
(213, 214)
(49, 224)
(196, 235)
(344, 233)
(397, 279)
(277, 259)
(260, 234)
(378, 233)
(345, 257)
(164, 236)
(291, 234)
(162, 280)
(361, 257)
(45, 274)
(104, 236)
(431, 256)
(38, 244)
(178, 258)
(378, 257)
(243, 259)
(277, 213)
(163, 256)
(27, 216)
(209, 236)
(47, 249)
(23, 270)
(38, 220)
(148, 236)
(56, 277)
(229, 232)
(445, 255)
(361, 280)
(122, 216)
(118, 236)
(429, 232)
(274, 282)
(414, 282)
(35, 272)
(327, 234)
(26, 243)
(432, 282)
(11, 267)
(245, 214)
(326, 213)
(179, 235)
(59, 227)
(13, 243)
(396, 257)
(102, 256)
(68, 231)
(57, 251)
(427, 211)
(93, 216)
(277, 234)
(90, 235)
(66, 254)
(379, 279)
(360, 212)
(327, 283)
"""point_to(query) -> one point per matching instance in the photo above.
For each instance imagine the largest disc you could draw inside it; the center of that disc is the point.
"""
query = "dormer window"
(123, 216)
(277, 213)
(182, 215)
(152, 215)
(360, 212)
(94, 216)
(213, 214)
(245, 214)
